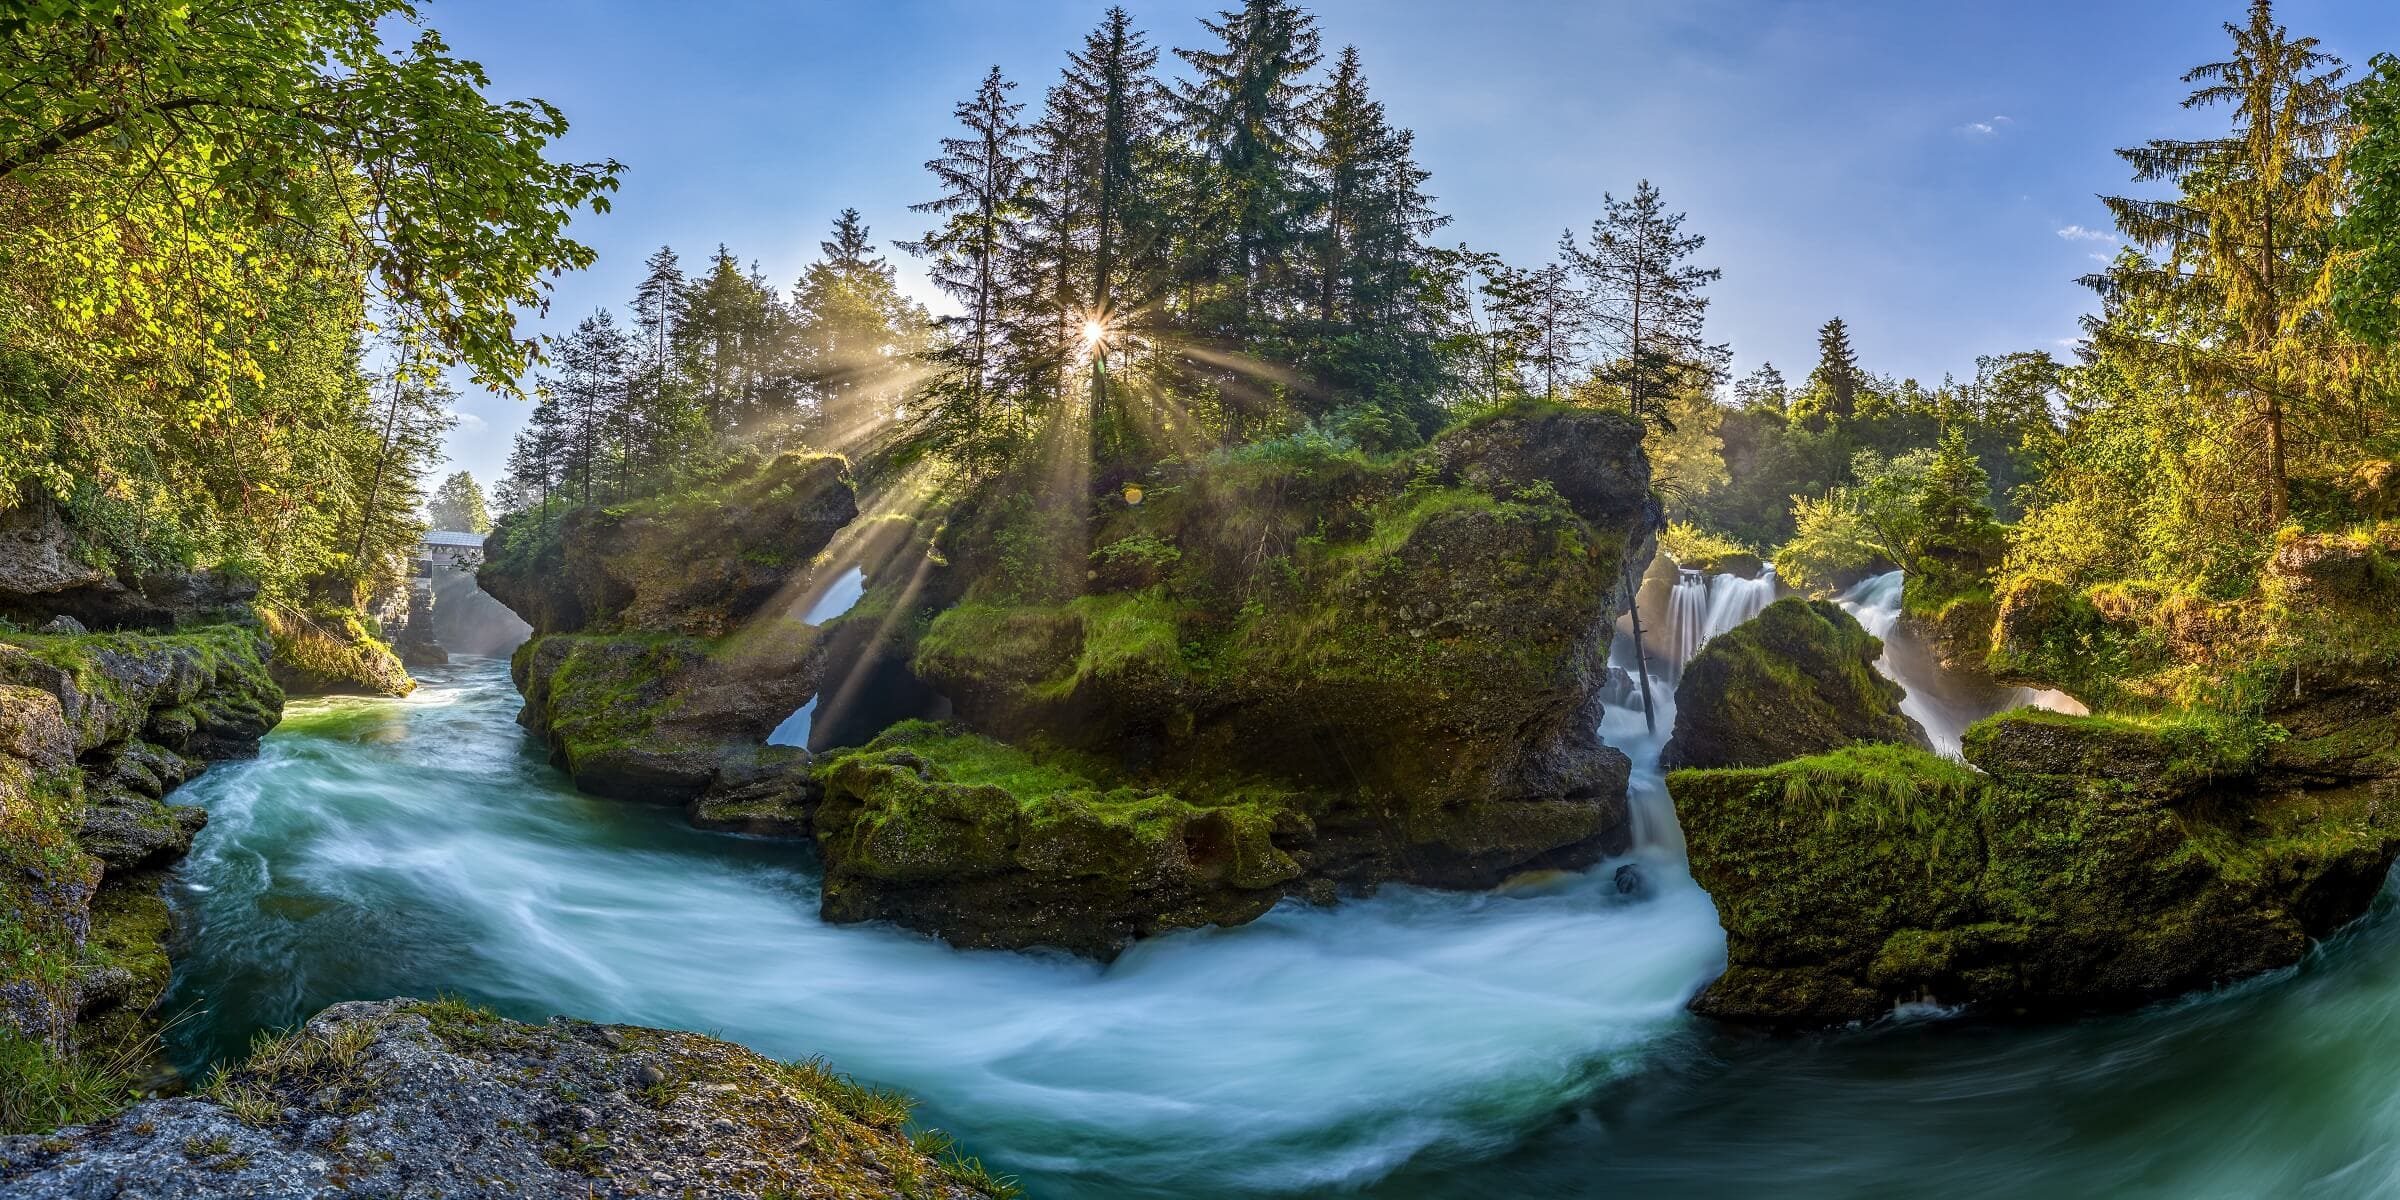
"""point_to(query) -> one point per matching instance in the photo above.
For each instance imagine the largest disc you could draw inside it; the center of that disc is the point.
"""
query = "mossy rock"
(989, 845)
(699, 563)
(1417, 643)
(1799, 679)
(655, 717)
(327, 650)
(2095, 864)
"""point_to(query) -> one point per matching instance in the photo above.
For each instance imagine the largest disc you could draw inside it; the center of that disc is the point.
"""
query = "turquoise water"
(1416, 1045)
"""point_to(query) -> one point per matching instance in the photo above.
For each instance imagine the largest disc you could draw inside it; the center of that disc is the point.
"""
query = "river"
(1416, 1044)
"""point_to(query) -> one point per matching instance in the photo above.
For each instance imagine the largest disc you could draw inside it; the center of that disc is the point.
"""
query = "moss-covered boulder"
(697, 563)
(1799, 679)
(2093, 864)
(1415, 644)
(408, 1098)
(656, 716)
(95, 730)
(989, 845)
(332, 650)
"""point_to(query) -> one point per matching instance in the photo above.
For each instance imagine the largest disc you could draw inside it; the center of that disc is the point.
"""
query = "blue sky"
(1908, 166)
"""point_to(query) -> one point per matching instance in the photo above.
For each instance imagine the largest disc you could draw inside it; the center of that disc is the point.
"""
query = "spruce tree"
(1837, 379)
(1376, 309)
(851, 331)
(983, 176)
(1247, 108)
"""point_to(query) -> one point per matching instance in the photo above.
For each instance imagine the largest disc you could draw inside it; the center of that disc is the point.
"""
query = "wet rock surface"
(1799, 679)
(404, 1098)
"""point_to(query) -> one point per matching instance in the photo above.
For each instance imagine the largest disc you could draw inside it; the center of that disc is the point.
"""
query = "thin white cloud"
(2079, 233)
(1990, 128)
(470, 422)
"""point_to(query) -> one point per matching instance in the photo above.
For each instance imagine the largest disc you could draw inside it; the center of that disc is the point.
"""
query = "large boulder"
(699, 563)
(1799, 679)
(95, 730)
(2093, 864)
(987, 845)
(407, 1098)
(644, 717)
(1413, 648)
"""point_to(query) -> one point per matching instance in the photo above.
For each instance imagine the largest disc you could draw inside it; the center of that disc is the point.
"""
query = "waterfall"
(1687, 616)
(1733, 600)
(1703, 606)
(1944, 704)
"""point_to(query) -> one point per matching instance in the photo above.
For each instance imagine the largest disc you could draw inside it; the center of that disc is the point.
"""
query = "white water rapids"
(409, 847)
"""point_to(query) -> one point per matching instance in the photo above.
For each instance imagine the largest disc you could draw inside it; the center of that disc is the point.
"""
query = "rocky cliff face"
(94, 731)
(404, 1098)
(667, 645)
(697, 564)
(1288, 671)
(2094, 864)
(1798, 679)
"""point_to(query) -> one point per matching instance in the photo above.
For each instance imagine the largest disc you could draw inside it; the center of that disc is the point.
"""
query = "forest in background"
(1148, 263)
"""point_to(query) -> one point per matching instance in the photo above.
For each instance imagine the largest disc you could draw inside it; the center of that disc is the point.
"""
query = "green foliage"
(1834, 544)
(41, 1089)
(458, 504)
(2367, 274)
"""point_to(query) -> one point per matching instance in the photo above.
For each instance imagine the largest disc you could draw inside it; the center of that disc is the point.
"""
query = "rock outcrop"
(94, 731)
(405, 1098)
(1799, 679)
(987, 845)
(329, 650)
(2094, 864)
(44, 575)
(667, 644)
(651, 717)
(694, 564)
(1289, 671)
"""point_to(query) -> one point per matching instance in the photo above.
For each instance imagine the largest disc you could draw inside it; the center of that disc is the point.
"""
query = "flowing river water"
(1529, 1042)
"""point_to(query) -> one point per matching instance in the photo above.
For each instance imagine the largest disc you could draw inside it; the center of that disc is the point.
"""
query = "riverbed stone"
(410, 1098)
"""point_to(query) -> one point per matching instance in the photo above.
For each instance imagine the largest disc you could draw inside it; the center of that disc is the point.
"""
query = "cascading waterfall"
(1733, 600)
(1944, 704)
(1703, 606)
(1698, 608)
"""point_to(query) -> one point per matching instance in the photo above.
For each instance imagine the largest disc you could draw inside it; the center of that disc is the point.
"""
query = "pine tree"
(984, 181)
(2243, 240)
(852, 330)
(1646, 298)
(1247, 108)
(537, 460)
(1763, 388)
(1836, 382)
(458, 504)
(1378, 305)
(590, 390)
